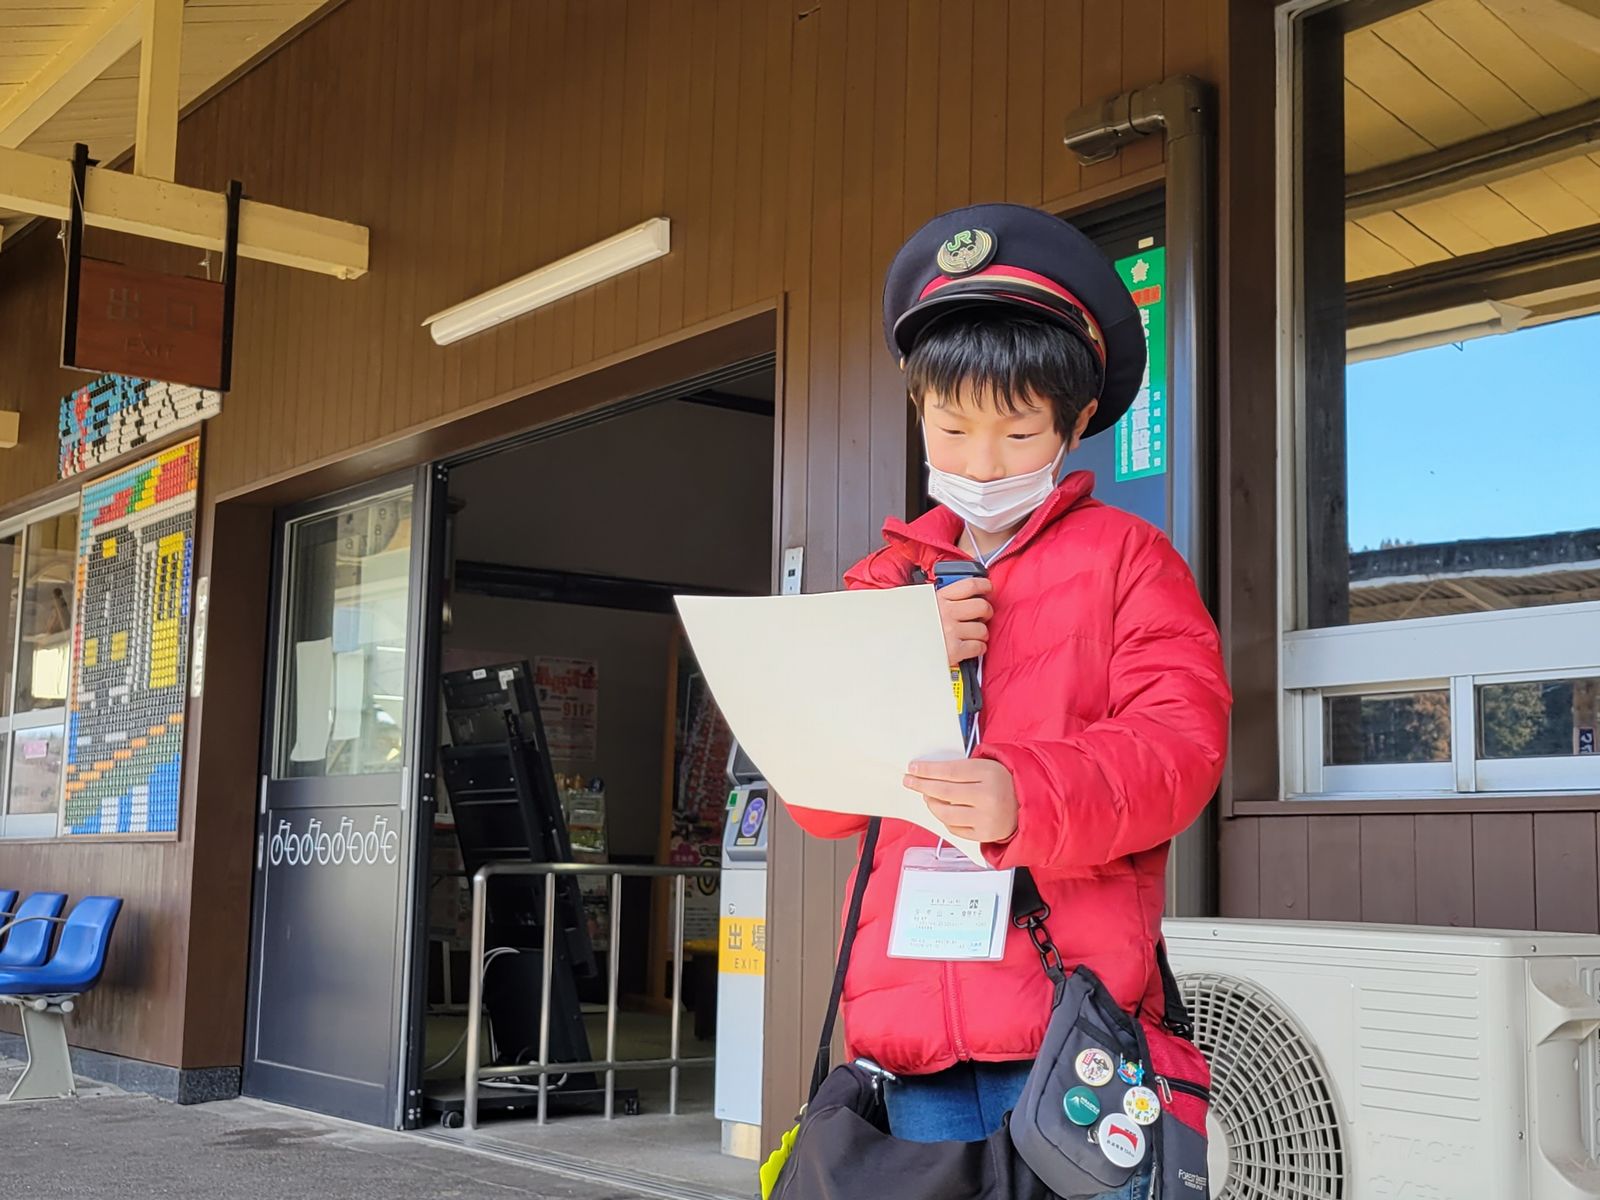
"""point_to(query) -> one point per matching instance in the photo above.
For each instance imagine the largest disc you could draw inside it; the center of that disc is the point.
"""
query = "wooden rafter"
(1484, 597)
(155, 141)
(1481, 160)
(156, 208)
(1578, 21)
(112, 33)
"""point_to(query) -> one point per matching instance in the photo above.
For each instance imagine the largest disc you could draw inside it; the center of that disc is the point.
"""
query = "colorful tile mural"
(135, 575)
(117, 413)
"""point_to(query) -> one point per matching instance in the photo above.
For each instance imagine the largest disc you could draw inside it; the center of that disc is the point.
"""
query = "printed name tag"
(949, 909)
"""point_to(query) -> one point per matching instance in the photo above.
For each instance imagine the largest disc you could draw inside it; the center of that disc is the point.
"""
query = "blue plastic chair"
(32, 930)
(8, 901)
(78, 960)
(46, 994)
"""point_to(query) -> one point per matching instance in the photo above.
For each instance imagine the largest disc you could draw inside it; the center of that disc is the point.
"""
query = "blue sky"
(1498, 437)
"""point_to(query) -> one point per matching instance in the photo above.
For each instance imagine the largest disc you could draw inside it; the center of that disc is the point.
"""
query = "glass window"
(10, 591)
(1398, 727)
(1443, 262)
(1550, 718)
(37, 570)
(342, 710)
(1448, 423)
(44, 660)
(36, 770)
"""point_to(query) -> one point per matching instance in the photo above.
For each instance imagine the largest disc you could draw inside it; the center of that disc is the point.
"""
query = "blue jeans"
(966, 1104)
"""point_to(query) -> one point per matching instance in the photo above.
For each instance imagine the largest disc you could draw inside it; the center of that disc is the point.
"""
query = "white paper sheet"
(833, 696)
(313, 700)
(349, 693)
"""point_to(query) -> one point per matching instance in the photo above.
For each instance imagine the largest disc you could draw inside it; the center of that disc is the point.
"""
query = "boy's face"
(969, 434)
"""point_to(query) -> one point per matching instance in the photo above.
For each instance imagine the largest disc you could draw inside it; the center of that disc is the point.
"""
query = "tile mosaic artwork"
(117, 413)
(130, 660)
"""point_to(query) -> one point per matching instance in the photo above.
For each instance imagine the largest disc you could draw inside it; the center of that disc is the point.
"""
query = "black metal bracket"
(230, 265)
(81, 162)
(69, 328)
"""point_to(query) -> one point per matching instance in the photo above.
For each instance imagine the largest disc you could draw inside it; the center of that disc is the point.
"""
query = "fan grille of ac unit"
(1270, 1094)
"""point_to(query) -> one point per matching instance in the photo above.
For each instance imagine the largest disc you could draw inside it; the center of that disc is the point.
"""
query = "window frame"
(32, 826)
(1318, 778)
(1459, 651)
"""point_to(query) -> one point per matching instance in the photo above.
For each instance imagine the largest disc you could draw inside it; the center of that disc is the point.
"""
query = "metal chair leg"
(48, 1074)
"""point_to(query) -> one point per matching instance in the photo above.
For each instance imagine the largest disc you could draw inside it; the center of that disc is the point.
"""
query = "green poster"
(1142, 434)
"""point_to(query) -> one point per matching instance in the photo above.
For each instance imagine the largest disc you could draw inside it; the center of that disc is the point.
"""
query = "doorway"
(565, 552)
(552, 558)
(337, 811)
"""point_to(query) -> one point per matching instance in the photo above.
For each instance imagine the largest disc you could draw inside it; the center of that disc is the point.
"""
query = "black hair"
(1009, 355)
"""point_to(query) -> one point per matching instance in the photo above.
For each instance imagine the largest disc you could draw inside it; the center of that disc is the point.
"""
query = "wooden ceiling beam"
(171, 212)
(1503, 273)
(1473, 163)
(112, 33)
(155, 138)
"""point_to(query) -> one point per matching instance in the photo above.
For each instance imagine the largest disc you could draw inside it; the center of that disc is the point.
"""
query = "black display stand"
(503, 797)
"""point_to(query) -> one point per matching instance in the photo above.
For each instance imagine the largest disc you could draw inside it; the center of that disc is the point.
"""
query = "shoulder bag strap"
(869, 846)
(1029, 912)
(1176, 1017)
(1025, 898)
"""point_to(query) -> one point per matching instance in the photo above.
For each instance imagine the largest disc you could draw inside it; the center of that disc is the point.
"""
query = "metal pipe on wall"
(1182, 108)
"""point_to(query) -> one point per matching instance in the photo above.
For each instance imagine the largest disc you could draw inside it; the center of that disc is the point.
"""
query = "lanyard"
(973, 735)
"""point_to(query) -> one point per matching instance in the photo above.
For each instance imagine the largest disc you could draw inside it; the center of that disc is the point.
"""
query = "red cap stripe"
(1032, 278)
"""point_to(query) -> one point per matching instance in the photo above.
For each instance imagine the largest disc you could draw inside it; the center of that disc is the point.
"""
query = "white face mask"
(998, 503)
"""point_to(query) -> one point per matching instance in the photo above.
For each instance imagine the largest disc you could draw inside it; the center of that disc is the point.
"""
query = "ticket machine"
(742, 958)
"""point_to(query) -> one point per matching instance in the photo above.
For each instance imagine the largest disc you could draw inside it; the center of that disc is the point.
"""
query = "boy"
(1105, 708)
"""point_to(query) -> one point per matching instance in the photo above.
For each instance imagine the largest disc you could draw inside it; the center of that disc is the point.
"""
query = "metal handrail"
(544, 1068)
(15, 921)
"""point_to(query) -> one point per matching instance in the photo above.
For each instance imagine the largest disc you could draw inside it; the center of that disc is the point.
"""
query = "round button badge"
(1095, 1067)
(1121, 1140)
(1082, 1105)
(1142, 1105)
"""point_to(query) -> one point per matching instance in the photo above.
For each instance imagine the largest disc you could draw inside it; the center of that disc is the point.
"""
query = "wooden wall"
(918, 107)
(129, 1012)
(1492, 870)
(793, 144)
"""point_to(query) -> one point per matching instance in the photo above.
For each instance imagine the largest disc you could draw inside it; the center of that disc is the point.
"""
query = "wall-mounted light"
(591, 265)
(10, 427)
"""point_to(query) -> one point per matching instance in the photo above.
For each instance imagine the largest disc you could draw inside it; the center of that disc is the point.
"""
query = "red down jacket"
(1105, 697)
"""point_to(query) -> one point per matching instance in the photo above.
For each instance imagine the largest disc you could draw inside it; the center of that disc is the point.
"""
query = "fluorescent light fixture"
(587, 267)
(1443, 327)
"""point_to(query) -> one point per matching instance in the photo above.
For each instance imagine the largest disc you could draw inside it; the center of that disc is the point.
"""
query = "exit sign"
(130, 321)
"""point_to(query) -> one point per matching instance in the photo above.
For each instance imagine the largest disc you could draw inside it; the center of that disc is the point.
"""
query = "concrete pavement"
(107, 1144)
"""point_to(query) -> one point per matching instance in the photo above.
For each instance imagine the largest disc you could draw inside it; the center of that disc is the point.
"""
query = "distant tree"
(1525, 720)
(1406, 727)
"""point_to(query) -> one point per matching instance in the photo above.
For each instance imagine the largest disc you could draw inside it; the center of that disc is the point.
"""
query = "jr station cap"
(1023, 258)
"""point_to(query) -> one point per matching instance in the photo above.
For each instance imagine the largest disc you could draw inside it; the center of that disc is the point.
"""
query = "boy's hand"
(974, 797)
(965, 612)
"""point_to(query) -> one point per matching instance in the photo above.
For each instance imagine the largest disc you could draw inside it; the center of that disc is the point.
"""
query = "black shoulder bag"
(1098, 1105)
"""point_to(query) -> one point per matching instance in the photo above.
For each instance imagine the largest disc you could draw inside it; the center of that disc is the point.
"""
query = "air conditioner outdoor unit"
(1385, 1062)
